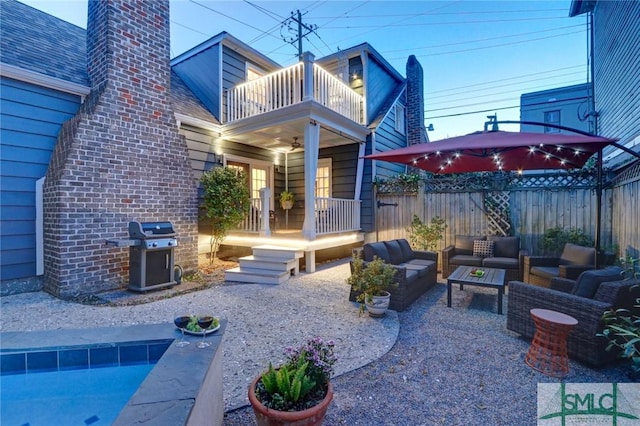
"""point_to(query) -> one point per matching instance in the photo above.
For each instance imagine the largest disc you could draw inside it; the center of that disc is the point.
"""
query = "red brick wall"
(416, 132)
(121, 158)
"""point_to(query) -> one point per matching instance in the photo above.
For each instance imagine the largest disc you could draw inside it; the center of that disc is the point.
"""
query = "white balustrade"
(334, 215)
(286, 87)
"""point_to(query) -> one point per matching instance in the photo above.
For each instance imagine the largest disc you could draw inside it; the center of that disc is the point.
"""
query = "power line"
(488, 110)
(509, 78)
(481, 12)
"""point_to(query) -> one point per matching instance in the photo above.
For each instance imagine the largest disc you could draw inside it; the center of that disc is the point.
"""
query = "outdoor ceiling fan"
(295, 144)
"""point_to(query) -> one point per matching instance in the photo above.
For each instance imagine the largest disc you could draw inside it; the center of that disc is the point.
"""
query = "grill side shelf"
(123, 243)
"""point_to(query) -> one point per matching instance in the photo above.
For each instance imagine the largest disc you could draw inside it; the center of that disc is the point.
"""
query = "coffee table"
(493, 278)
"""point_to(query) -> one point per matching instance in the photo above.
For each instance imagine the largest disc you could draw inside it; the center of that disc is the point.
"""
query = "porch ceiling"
(276, 130)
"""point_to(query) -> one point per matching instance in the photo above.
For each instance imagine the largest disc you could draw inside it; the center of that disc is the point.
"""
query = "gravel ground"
(449, 366)
(428, 365)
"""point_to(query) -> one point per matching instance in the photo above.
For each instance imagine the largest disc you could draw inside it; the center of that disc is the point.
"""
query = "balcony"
(300, 82)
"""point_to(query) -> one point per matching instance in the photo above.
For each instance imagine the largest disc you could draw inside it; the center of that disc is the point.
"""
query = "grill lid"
(145, 230)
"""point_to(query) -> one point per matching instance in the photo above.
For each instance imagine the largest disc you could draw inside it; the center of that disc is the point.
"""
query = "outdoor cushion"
(505, 246)
(421, 270)
(424, 265)
(573, 254)
(464, 243)
(375, 249)
(467, 260)
(501, 262)
(395, 252)
(407, 251)
(545, 271)
(588, 282)
(411, 275)
(482, 248)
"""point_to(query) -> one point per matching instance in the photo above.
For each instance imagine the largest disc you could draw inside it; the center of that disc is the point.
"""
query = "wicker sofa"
(568, 296)
(416, 271)
(506, 254)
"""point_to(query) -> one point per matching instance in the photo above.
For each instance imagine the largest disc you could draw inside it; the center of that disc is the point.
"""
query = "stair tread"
(256, 271)
(266, 259)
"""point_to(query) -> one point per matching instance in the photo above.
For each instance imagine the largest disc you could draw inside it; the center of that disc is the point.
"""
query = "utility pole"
(296, 18)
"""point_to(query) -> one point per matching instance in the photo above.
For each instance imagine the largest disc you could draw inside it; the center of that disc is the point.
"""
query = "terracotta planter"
(268, 417)
(379, 305)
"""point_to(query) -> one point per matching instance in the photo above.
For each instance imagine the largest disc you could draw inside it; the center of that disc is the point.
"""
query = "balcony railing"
(291, 86)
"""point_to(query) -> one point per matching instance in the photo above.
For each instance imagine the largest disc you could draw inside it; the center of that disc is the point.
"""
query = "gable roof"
(38, 42)
(371, 51)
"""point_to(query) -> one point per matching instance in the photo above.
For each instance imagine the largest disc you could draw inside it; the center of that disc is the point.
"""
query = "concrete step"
(277, 252)
(256, 276)
(270, 263)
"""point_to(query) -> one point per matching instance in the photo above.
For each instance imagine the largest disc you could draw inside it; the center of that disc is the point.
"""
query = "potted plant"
(299, 391)
(622, 326)
(373, 280)
(287, 199)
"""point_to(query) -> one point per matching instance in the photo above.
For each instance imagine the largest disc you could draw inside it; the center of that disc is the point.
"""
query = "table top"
(492, 276)
(554, 317)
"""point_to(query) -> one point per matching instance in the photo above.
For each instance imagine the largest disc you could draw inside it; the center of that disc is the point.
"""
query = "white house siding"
(572, 102)
(30, 119)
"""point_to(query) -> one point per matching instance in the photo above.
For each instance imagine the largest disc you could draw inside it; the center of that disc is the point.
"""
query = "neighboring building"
(564, 106)
(616, 72)
(122, 133)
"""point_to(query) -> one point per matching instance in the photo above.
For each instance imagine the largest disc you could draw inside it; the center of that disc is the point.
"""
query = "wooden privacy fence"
(529, 204)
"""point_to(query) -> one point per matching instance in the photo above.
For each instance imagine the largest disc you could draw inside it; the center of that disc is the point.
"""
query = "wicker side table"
(548, 350)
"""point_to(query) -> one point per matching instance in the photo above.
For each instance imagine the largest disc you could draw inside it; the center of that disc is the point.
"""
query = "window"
(323, 178)
(552, 117)
(400, 118)
(259, 174)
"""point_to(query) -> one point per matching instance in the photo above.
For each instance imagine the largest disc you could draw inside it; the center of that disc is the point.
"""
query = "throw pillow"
(482, 248)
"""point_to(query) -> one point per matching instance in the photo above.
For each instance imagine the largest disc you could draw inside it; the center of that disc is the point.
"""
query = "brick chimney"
(121, 157)
(416, 132)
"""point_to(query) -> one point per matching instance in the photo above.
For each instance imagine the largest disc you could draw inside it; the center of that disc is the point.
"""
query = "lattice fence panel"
(496, 207)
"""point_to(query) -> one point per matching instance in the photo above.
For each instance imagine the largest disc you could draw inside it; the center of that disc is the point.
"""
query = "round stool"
(548, 351)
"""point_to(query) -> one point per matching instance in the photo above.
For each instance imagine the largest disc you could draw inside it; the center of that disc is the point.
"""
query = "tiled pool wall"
(82, 358)
(183, 388)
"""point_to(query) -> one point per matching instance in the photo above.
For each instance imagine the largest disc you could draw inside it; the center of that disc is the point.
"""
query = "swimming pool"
(183, 387)
(95, 396)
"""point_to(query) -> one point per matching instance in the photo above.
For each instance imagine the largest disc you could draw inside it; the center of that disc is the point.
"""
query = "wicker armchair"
(583, 344)
(574, 260)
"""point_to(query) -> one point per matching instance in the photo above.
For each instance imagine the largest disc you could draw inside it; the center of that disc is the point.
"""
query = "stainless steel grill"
(151, 255)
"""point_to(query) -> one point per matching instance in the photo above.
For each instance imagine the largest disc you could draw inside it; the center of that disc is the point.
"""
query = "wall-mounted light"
(218, 158)
(430, 127)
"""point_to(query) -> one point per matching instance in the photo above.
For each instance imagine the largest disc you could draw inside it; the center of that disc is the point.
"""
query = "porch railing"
(334, 215)
(287, 87)
(253, 220)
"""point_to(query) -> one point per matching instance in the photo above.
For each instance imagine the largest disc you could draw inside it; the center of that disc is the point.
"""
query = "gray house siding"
(380, 84)
(572, 101)
(202, 75)
(30, 119)
(388, 138)
(617, 71)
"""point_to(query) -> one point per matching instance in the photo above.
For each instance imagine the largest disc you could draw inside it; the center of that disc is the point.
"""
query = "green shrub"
(426, 237)
(554, 239)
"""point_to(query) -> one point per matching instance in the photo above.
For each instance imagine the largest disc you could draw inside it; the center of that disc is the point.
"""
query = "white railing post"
(265, 195)
(307, 60)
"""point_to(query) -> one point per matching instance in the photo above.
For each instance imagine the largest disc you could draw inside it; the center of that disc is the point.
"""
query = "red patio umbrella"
(505, 151)
(498, 151)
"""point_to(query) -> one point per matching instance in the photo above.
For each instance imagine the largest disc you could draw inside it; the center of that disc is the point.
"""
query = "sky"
(478, 56)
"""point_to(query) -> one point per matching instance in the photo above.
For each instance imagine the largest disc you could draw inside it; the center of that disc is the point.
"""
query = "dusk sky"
(478, 56)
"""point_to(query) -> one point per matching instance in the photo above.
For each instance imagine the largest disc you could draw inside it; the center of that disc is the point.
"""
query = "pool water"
(69, 397)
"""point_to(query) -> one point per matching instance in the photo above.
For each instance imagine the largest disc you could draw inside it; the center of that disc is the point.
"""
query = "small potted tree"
(373, 280)
(286, 200)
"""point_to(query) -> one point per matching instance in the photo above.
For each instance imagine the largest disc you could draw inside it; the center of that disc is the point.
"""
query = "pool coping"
(184, 387)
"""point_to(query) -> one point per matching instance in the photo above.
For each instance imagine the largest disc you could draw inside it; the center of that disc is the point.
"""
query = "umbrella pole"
(598, 207)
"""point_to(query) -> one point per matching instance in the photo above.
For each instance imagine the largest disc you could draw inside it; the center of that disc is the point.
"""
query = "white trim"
(39, 227)
(223, 112)
(400, 111)
(17, 73)
(359, 171)
(326, 162)
(187, 119)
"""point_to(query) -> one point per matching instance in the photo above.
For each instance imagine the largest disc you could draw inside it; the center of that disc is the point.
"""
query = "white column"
(311, 148)
(307, 60)
(265, 195)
